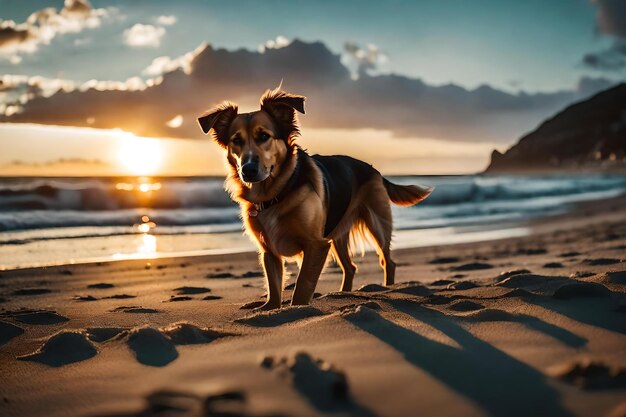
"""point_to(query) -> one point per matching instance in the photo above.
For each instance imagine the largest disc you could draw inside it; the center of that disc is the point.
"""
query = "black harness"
(341, 175)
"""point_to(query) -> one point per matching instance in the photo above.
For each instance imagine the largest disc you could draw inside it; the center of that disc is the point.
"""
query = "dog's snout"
(250, 170)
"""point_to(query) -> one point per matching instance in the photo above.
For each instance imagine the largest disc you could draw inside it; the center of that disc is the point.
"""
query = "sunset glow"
(140, 156)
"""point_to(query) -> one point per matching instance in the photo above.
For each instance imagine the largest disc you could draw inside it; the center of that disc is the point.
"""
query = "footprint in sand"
(175, 298)
(472, 266)
(444, 260)
(441, 282)
(41, 317)
(157, 347)
(412, 288)
(462, 285)
(601, 261)
(102, 334)
(8, 331)
(508, 274)
(189, 404)
(465, 305)
(135, 309)
(63, 348)
(212, 297)
(325, 387)
(372, 288)
(589, 374)
(120, 297)
(84, 298)
(553, 265)
(100, 286)
(279, 317)
(32, 291)
(581, 289)
(191, 290)
(220, 275)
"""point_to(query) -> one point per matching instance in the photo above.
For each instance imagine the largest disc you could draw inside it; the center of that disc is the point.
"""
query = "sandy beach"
(516, 327)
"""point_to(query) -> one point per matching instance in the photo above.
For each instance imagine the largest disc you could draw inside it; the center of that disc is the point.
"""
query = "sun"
(140, 156)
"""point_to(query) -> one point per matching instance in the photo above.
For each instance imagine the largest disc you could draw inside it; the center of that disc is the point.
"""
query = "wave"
(176, 203)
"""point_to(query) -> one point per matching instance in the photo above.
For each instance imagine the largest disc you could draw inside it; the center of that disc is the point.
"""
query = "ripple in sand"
(100, 286)
(42, 317)
(151, 347)
(280, 317)
(8, 331)
(191, 290)
(601, 261)
(589, 374)
(473, 266)
(32, 291)
(63, 348)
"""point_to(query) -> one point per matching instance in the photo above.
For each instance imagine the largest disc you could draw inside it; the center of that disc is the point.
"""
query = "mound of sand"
(63, 348)
(184, 333)
(102, 334)
(151, 347)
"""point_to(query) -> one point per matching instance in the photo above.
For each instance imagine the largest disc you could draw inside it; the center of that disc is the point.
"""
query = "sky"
(411, 86)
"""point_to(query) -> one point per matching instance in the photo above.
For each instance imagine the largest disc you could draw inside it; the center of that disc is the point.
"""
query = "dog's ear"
(282, 107)
(219, 119)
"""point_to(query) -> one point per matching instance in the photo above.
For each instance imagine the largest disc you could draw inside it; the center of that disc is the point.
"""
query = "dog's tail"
(406, 195)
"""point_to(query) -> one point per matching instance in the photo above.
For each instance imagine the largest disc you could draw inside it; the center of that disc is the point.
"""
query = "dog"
(300, 206)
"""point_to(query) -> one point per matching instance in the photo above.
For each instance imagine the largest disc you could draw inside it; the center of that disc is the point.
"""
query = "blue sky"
(533, 45)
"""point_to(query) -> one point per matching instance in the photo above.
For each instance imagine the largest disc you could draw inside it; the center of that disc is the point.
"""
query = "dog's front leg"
(312, 264)
(273, 266)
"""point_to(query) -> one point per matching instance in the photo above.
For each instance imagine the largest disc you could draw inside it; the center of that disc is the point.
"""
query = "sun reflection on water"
(146, 244)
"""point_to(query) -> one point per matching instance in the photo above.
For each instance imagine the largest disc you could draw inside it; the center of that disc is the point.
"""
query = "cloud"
(611, 59)
(279, 42)
(611, 17)
(167, 20)
(362, 59)
(611, 22)
(144, 35)
(405, 106)
(44, 25)
(163, 64)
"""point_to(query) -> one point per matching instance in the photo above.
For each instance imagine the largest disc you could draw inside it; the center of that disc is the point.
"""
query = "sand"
(531, 326)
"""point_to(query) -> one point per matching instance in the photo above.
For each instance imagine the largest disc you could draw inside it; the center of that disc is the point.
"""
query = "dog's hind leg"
(339, 247)
(377, 218)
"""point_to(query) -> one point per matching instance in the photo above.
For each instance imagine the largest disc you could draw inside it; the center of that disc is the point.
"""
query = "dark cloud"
(610, 21)
(406, 106)
(11, 35)
(611, 17)
(612, 59)
(45, 24)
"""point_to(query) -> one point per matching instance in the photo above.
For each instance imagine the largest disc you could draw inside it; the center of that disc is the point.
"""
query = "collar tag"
(253, 212)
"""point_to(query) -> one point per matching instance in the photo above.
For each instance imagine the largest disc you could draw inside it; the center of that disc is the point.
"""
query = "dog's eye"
(237, 141)
(263, 137)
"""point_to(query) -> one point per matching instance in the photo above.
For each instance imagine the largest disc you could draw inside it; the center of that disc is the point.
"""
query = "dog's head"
(257, 143)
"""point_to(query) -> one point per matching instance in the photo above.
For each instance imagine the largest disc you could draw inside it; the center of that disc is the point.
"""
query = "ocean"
(50, 221)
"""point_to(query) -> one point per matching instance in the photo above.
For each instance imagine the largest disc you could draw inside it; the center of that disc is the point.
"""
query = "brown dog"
(299, 206)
